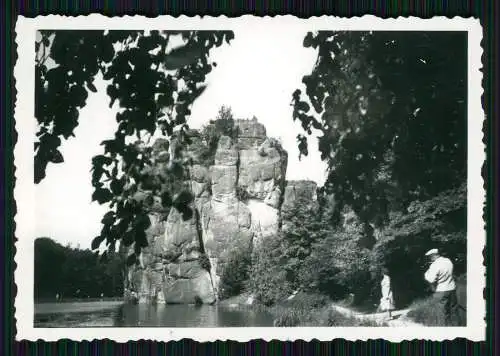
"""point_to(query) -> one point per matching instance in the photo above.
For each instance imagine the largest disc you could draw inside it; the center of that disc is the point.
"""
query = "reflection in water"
(161, 315)
(189, 316)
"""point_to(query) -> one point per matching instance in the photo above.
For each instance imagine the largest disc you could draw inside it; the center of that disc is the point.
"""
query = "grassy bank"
(428, 311)
(303, 310)
(313, 310)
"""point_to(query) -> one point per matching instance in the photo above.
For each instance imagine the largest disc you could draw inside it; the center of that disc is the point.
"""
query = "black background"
(486, 11)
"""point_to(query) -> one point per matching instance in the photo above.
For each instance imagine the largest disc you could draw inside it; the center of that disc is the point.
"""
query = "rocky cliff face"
(238, 201)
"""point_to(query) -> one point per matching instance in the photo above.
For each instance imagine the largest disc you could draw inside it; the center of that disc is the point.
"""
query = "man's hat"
(434, 251)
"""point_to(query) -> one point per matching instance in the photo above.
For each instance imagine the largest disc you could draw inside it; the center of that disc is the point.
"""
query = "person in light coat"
(387, 300)
(440, 277)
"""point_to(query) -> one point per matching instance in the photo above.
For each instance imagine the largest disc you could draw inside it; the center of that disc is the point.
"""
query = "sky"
(255, 75)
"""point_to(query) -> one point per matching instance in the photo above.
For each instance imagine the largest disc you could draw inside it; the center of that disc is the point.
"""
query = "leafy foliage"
(337, 266)
(154, 86)
(205, 262)
(234, 274)
(268, 280)
(313, 255)
(277, 262)
(390, 109)
(302, 227)
(242, 194)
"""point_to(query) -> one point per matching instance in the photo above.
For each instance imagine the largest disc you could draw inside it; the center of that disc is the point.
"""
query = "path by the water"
(400, 318)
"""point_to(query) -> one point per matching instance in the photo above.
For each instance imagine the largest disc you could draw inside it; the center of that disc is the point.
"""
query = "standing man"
(440, 276)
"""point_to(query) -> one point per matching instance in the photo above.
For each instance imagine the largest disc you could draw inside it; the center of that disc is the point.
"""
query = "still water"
(108, 314)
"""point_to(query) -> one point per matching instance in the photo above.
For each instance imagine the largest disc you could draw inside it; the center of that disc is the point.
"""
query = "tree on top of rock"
(222, 125)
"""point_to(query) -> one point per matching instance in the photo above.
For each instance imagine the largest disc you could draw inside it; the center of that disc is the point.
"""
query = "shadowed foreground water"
(108, 314)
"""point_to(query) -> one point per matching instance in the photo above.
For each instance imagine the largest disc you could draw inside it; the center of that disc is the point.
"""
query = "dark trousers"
(449, 305)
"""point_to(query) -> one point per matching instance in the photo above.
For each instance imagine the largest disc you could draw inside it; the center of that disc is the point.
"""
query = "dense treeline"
(75, 273)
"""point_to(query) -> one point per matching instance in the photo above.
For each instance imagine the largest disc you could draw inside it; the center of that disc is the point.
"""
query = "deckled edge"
(224, 334)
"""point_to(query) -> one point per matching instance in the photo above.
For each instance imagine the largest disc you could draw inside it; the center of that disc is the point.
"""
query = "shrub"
(268, 280)
(289, 317)
(336, 267)
(242, 194)
(234, 275)
(335, 318)
(307, 301)
(223, 125)
(205, 262)
(302, 227)
(303, 309)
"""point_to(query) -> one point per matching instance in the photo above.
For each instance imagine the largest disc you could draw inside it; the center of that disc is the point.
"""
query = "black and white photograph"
(249, 178)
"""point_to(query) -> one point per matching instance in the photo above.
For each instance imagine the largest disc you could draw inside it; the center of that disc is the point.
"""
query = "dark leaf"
(117, 185)
(187, 213)
(128, 238)
(141, 240)
(308, 40)
(102, 195)
(57, 157)
(91, 87)
(131, 259)
(303, 106)
(96, 242)
(166, 199)
(316, 124)
(296, 95)
(229, 36)
(142, 222)
(183, 198)
(108, 218)
(101, 160)
(197, 92)
(182, 56)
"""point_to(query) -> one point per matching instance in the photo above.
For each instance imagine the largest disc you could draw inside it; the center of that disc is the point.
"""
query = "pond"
(116, 314)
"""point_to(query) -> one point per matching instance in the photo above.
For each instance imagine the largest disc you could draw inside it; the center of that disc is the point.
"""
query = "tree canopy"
(390, 109)
(154, 77)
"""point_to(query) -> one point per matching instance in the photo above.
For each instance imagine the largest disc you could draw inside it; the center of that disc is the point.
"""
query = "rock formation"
(238, 201)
